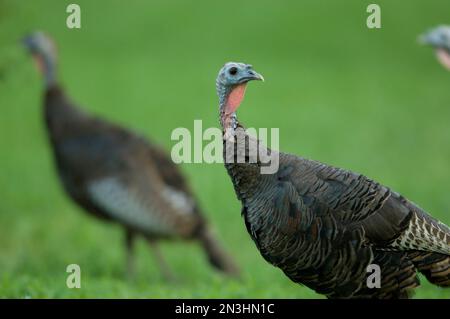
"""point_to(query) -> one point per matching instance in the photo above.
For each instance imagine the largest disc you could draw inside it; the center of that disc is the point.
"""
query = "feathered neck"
(248, 161)
(61, 116)
(242, 167)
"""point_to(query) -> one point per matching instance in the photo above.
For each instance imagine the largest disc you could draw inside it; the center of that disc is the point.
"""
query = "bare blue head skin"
(43, 51)
(230, 85)
(438, 38)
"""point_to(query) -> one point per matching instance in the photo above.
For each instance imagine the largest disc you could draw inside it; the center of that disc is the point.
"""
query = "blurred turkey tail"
(435, 267)
(217, 256)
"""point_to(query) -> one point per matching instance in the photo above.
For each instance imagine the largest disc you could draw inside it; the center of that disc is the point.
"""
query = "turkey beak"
(255, 76)
(251, 76)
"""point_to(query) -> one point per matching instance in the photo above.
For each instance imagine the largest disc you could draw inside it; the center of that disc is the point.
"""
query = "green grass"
(368, 100)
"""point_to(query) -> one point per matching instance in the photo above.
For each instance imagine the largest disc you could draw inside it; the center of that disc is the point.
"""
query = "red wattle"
(235, 98)
(444, 58)
(39, 63)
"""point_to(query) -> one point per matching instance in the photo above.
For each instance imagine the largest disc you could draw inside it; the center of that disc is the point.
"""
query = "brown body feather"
(323, 226)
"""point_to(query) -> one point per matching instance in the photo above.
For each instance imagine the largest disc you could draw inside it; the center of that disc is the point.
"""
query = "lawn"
(372, 101)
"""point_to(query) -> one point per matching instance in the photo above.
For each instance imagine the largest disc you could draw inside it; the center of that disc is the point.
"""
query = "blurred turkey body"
(323, 226)
(118, 175)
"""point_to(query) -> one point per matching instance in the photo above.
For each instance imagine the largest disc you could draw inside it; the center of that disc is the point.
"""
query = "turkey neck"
(61, 117)
(47, 64)
(245, 173)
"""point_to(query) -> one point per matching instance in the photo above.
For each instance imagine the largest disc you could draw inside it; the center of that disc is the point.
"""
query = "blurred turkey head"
(43, 50)
(439, 38)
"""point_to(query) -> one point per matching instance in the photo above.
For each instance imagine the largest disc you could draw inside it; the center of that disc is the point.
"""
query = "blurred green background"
(372, 101)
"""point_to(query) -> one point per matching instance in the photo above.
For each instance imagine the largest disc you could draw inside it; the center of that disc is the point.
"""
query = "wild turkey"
(323, 226)
(439, 38)
(119, 176)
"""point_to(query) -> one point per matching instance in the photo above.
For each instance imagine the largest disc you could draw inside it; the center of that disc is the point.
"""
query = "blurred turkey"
(323, 226)
(119, 176)
(439, 39)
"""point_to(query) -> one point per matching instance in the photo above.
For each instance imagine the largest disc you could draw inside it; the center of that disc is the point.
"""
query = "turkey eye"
(233, 71)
